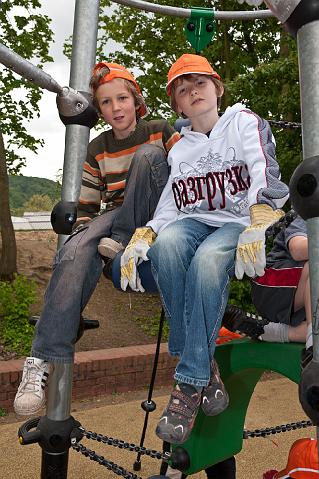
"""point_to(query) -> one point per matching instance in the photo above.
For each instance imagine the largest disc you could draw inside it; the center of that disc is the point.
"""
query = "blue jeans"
(78, 265)
(192, 264)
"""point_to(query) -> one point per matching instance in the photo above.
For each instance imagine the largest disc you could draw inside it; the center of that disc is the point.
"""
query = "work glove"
(134, 254)
(251, 246)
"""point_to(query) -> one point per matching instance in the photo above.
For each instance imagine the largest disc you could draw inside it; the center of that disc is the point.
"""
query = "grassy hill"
(22, 188)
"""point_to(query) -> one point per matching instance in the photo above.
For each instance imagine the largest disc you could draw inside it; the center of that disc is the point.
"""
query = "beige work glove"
(251, 246)
(134, 254)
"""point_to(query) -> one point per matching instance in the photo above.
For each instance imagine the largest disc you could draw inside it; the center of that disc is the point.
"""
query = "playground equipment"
(242, 360)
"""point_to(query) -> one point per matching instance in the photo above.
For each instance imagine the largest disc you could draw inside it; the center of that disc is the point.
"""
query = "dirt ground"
(114, 309)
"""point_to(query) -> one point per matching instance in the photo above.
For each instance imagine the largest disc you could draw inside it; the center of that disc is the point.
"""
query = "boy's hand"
(251, 248)
(134, 254)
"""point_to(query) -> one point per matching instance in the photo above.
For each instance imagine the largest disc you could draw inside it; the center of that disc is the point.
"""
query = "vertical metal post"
(308, 38)
(85, 28)
(84, 42)
(55, 460)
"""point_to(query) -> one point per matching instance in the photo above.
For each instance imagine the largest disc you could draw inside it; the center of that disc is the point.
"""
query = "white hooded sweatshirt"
(216, 178)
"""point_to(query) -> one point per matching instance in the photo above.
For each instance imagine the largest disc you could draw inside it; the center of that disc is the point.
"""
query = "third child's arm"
(298, 248)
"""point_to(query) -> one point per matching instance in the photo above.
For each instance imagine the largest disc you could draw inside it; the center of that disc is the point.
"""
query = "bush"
(15, 300)
(240, 295)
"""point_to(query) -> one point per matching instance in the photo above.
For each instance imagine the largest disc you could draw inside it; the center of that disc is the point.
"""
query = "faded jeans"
(77, 266)
(192, 264)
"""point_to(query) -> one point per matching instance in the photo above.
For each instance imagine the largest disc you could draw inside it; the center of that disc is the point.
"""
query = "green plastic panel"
(200, 28)
(241, 364)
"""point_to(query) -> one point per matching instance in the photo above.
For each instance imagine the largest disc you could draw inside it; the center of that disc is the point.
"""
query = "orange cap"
(302, 461)
(118, 71)
(189, 63)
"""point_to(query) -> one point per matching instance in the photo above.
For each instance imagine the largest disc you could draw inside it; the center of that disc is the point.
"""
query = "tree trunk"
(8, 258)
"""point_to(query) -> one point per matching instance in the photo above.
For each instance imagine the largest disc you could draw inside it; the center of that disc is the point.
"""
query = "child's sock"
(309, 336)
(275, 333)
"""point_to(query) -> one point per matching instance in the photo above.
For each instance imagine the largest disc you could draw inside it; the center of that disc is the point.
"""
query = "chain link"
(276, 429)
(110, 441)
(284, 124)
(164, 456)
(111, 466)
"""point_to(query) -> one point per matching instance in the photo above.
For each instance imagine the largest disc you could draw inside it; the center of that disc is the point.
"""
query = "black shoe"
(306, 356)
(238, 321)
(107, 269)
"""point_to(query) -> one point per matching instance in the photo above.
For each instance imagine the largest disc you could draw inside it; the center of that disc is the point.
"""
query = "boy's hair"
(102, 73)
(218, 85)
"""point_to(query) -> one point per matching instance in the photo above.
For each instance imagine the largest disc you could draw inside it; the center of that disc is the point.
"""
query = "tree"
(256, 59)
(24, 30)
(39, 203)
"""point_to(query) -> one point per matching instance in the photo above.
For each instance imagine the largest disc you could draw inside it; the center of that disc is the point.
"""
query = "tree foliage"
(256, 60)
(25, 31)
(22, 188)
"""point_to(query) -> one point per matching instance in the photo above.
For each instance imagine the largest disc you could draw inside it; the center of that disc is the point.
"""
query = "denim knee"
(166, 244)
(154, 158)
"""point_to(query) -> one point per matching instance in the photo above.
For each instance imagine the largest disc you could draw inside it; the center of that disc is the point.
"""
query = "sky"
(49, 160)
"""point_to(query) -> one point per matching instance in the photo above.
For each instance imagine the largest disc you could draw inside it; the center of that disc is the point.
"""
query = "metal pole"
(76, 141)
(83, 57)
(308, 38)
(27, 70)
(186, 12)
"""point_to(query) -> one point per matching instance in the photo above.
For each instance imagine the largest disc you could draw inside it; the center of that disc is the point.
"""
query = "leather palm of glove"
(134, 254)
(251, 247)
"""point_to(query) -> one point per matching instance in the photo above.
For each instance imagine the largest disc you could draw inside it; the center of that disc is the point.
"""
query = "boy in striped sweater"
(126, 168)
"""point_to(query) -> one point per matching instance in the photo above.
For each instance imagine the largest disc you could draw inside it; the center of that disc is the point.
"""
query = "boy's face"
(117, 106)
(195, 96)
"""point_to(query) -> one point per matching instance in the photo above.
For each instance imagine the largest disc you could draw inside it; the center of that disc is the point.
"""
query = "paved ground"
(274, 402)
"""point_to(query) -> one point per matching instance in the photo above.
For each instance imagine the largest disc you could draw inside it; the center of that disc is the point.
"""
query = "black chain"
(162, 456)
(111, 466)
(276, 429)
(284, 124)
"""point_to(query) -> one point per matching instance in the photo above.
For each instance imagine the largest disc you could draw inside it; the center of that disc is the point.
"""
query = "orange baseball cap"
(187, 64)
(118, 71)
(302, 461)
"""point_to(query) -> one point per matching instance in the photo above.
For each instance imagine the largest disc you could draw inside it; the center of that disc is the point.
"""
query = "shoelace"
(31, 382)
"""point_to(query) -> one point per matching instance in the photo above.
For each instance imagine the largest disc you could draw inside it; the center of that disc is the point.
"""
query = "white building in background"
(39, 220)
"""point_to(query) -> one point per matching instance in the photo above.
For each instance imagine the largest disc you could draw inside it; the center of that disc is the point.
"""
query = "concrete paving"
(274, 402)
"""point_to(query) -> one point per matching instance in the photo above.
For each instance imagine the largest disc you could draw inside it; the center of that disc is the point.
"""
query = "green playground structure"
(242, 362)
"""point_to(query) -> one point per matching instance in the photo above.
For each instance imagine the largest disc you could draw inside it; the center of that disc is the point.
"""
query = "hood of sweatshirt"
(219, 127)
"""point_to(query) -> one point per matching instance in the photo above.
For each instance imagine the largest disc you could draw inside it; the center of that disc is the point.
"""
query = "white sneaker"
(30, 397)
(109, 248)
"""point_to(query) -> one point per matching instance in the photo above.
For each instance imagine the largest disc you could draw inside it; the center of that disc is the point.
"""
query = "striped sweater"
(109, 159)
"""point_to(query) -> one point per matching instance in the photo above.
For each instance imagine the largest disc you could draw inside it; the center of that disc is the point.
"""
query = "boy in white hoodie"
(224, 190)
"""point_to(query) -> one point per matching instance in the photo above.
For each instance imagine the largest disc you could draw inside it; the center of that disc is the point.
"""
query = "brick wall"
(99, 372)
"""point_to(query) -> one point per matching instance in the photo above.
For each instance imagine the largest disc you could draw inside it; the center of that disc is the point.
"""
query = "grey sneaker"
(215, 397)
(178, 418)
(108, 248)
(30, 397)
